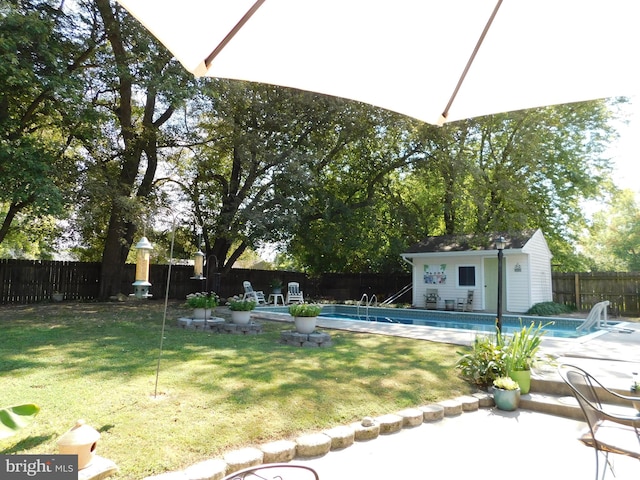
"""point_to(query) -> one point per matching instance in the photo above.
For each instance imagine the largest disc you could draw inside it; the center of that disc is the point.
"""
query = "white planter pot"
(240, 318)
(305, 324)
(201, 313)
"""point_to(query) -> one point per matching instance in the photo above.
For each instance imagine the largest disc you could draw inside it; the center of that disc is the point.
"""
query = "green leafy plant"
(484, 363)
(276, 283)
(505, 383)
(202, 300)
(304, 310)
(240, 305)
(16, 418)
(521, 349)
(547, 309)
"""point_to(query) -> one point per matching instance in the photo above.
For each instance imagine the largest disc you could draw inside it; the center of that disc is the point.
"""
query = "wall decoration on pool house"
(435, 274)
(459, 264)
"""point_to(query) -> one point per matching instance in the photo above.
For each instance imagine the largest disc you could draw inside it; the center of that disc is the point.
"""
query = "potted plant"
(506, 393)
(276, 286)
(484, 363)
(240, 310)
(202, 303)
(520, 353)
(305, 316)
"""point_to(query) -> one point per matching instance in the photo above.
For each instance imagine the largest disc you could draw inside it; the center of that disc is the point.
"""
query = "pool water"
(480, 322)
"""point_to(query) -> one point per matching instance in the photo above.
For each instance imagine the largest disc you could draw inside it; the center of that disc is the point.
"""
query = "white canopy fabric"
(409, 56)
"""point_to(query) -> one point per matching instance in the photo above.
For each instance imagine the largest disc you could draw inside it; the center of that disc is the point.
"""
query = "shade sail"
(410, 56)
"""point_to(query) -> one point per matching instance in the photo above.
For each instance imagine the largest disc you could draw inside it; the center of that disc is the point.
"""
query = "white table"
(274, 297)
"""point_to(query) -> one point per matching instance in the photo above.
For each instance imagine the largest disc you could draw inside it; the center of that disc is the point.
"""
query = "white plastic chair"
(251, 294)
(294, 294)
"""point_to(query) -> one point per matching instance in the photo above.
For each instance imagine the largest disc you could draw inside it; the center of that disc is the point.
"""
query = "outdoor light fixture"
(143, 255)
(500, 245)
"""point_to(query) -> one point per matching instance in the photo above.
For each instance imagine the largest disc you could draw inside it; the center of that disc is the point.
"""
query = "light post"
(500, 244)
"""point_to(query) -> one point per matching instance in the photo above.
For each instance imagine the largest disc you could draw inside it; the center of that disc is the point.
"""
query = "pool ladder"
(367, 303)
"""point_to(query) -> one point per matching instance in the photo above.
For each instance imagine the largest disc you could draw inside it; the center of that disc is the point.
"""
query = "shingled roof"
(465, 243)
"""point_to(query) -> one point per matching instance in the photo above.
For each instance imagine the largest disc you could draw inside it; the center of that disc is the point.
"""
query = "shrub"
(546, 309)
(484, 363)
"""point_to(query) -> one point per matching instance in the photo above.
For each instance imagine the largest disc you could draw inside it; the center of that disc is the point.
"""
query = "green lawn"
(216, 392)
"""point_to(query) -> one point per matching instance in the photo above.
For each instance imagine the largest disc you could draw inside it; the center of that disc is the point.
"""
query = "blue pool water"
(480, 322)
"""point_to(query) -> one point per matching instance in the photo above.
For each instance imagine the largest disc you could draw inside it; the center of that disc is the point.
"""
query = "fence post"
(576, 280)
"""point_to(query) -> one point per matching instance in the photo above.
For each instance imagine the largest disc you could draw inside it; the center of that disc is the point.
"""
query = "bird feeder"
(81, 440)
(198, 265)
(143, 255)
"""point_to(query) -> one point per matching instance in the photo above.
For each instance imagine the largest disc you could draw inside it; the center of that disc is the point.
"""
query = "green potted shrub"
(305, 316)
(520, 353)
(484, 363)
(506, 393)
(276, 286)
(240, 310)
(202, 303)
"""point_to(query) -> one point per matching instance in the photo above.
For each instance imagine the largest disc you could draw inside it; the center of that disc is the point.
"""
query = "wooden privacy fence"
(584, 290)
(30, 281)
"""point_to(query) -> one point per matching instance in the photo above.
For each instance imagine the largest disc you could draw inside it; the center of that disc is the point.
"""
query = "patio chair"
(275, 471)
(611, 429)
(294, 294)
(466, 304)
(431, 298)
(251, 294)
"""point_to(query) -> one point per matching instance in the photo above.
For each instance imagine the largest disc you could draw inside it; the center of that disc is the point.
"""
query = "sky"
(625, 152)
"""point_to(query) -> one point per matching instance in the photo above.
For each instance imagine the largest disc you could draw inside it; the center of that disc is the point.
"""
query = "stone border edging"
(337, 438)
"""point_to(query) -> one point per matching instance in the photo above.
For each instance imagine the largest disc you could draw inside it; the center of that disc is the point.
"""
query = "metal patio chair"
(275, 471)
(611, 429)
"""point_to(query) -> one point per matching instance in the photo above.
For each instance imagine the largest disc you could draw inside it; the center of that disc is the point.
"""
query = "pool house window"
(466, 276)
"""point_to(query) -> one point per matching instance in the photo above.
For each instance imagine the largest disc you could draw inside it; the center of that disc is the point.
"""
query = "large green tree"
(135, 87)
(41, 108)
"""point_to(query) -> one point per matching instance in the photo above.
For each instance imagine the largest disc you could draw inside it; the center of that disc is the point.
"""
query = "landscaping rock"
(243, 458)
(390, 423)
(368, 429)
(341, 437)
(469, 403)
(313, 445)
(98, 469)
(451, 407)
(280, 451)
(214, 469)
(432, 413)
(411, 417)
(484, 399)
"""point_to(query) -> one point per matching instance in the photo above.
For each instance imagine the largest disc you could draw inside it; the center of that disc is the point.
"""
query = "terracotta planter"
(201, 313)
(241, 317)
(305, 324)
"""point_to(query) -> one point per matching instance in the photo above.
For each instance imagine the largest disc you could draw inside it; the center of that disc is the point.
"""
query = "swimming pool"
(479, 322)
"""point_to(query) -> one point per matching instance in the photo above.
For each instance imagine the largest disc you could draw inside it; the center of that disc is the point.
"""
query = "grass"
(216, 392)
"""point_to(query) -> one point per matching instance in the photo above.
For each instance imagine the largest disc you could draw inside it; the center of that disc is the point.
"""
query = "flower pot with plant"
(506, 393)
(202, 303)
(305, 316)
(276, 286)
(520, 353)
(240, 310)
(484, 363)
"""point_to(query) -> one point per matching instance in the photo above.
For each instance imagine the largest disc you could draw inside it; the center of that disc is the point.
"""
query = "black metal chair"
(612, 427)
(275, 471)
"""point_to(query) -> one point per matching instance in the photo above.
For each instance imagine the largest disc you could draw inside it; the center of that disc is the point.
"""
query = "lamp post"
(500, 244)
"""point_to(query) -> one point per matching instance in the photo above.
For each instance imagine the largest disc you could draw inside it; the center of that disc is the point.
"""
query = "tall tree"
(41, 106)
(135, 86)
